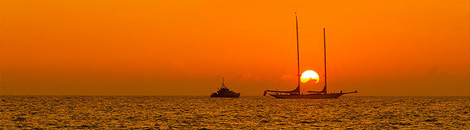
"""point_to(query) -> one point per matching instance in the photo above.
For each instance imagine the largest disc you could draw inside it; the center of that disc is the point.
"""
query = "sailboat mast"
(298, 63)
(324, 47)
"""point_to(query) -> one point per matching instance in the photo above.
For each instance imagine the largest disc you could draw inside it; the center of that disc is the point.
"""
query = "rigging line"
(345, 78)
(332, 72)
(349, 80)
(298, 57)
(336, 69)
(303, 90)
(285, 61)
(269, 84)
(339, 68)
(285, 58)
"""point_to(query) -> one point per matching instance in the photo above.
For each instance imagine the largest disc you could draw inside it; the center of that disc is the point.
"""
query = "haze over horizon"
(185, 47)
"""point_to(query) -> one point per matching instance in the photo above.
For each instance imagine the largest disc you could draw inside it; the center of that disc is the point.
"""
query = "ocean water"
(202, 112)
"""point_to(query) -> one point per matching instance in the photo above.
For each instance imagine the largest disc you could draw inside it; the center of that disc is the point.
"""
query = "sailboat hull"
(309, 96)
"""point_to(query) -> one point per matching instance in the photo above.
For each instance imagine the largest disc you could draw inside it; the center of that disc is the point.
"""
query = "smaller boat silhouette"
(225, 92)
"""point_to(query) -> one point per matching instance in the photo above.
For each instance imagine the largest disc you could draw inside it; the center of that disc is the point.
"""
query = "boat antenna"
(298, 59)
(324, 47)
(223, 82)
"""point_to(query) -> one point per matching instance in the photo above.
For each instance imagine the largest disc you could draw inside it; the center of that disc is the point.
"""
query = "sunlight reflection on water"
(197, 112)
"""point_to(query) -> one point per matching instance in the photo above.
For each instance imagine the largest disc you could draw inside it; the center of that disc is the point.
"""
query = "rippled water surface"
(202, 112)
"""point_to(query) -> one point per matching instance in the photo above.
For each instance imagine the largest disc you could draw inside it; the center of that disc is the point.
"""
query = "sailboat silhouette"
(310, 94)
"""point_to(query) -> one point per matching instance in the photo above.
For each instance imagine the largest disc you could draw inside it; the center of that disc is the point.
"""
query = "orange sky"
(185, 47)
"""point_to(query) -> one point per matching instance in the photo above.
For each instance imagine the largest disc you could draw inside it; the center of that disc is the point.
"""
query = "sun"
(309, 75)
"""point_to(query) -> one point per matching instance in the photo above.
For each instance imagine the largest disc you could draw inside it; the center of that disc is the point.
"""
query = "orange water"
(197, 112)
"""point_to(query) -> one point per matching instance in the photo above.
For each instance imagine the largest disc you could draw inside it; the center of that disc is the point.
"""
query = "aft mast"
(324, 47)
